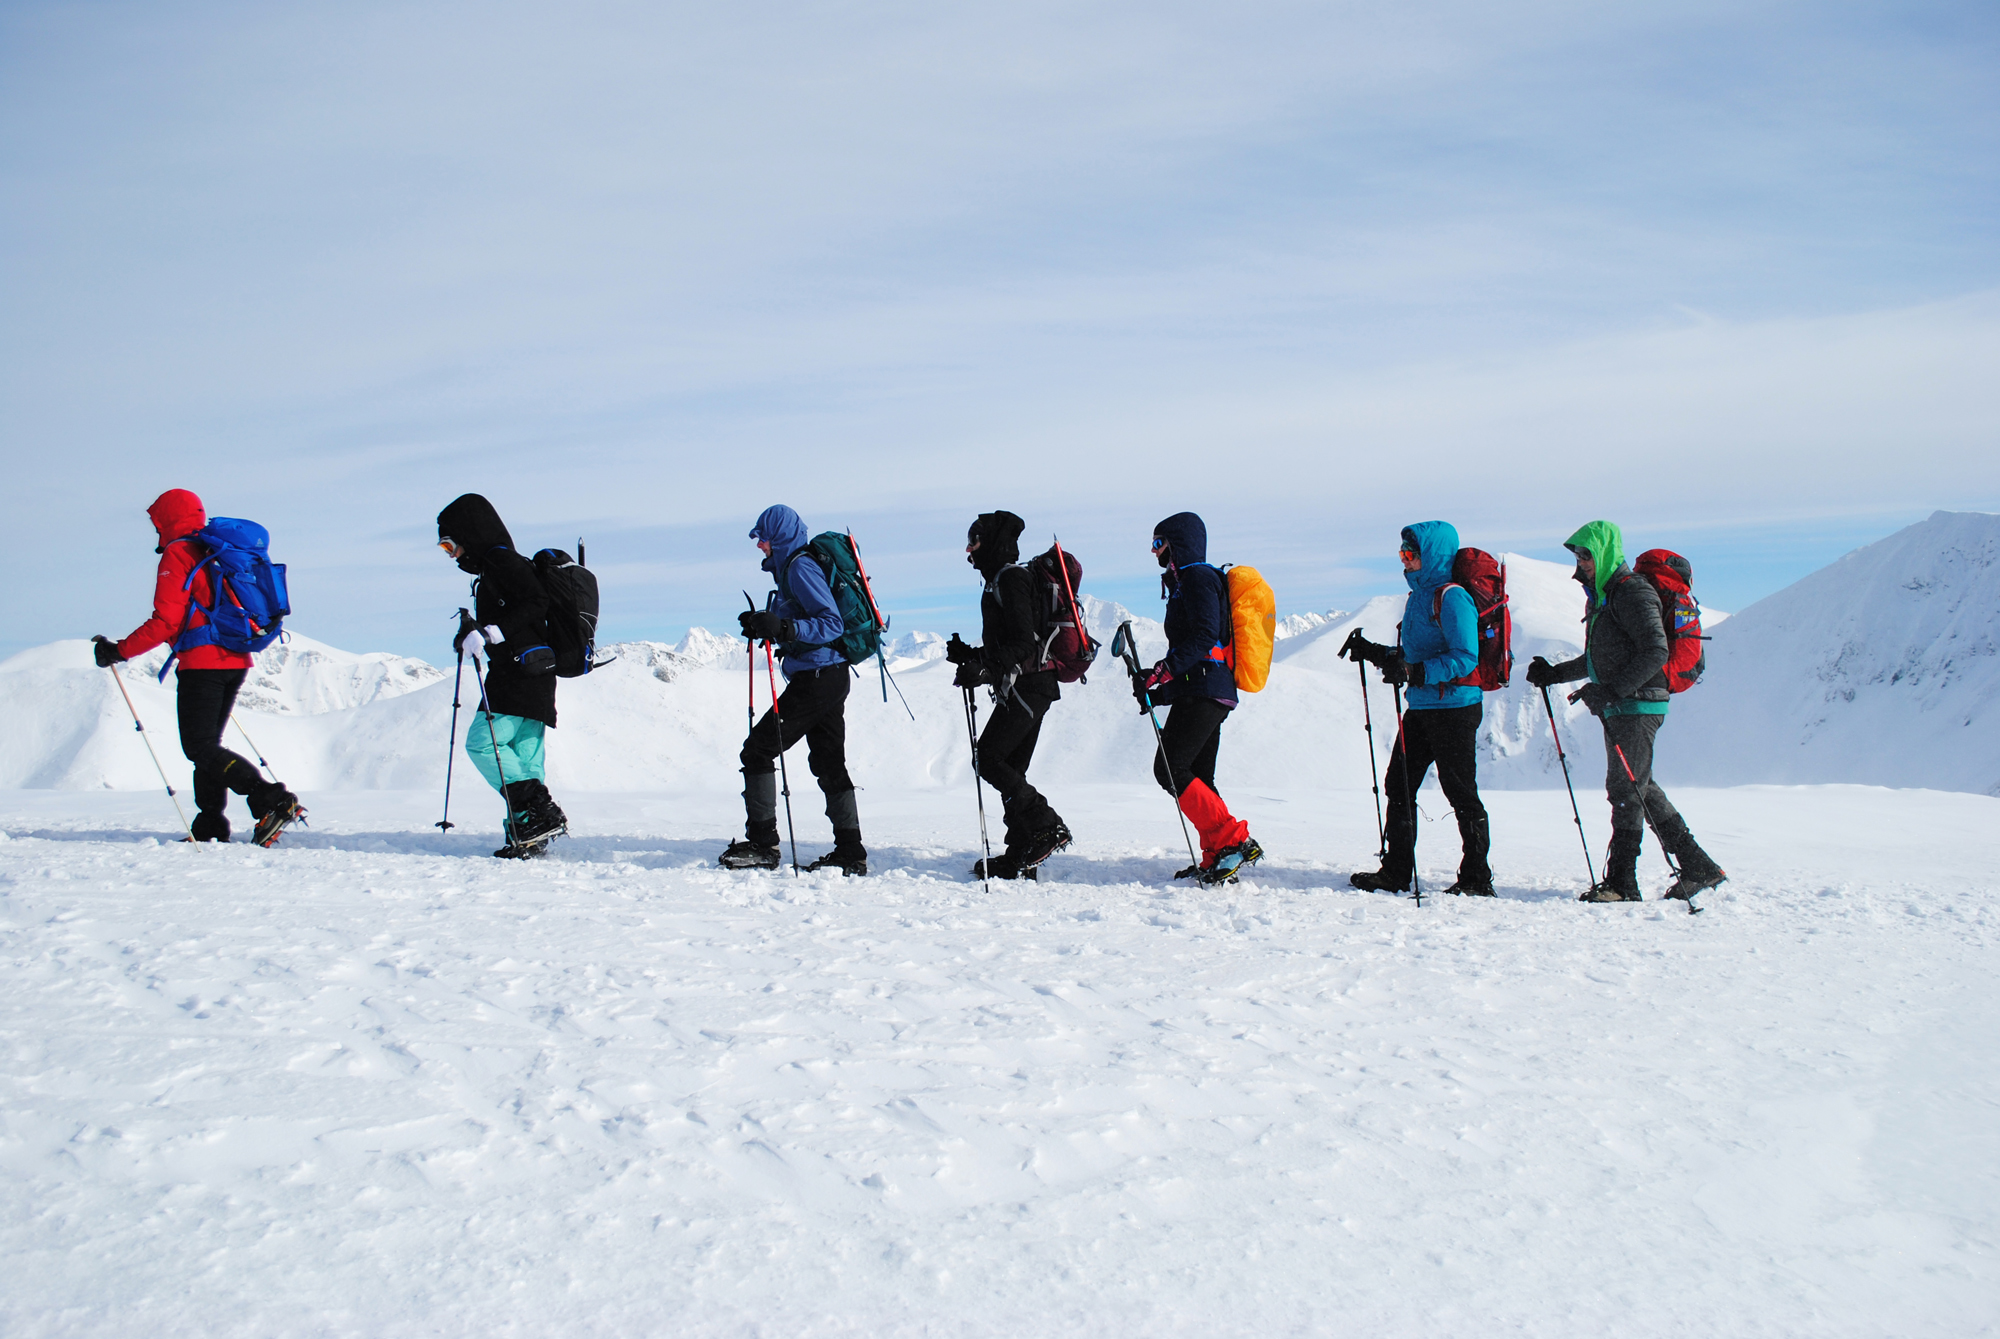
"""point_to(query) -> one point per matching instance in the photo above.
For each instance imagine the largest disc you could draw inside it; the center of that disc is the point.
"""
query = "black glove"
(1413, 673)
(1541, 674)
(1595, 697)
(764, 625)
(1358, 648)
(971, 673)
(537, 660)
(958, 652)
(105, 651)
(467, 625)
(1392, 666)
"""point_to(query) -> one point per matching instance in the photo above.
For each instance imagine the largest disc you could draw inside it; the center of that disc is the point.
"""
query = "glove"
(1358, 648)
(1394, 670)
(466, 627)
(1541, 673)
(958, 651)
(537, 660)
(1413, 673)
(971, 673)
(1595, 697)
(1159, 676)
(491, 632)
(105, 651)
(763, 625)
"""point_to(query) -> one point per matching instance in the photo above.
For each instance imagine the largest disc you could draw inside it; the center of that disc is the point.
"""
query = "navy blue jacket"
(802, 595)
(1448, 645)
(1197, 620)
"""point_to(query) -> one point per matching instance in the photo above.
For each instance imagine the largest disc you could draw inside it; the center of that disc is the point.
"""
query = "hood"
(471, 521)
(1606, 547)
(1437, 543)
(175, 513)
(999, 536)
(1186, 536)
(781, 527)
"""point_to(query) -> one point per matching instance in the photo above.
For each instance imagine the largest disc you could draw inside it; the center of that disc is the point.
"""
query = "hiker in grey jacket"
(1624, 657)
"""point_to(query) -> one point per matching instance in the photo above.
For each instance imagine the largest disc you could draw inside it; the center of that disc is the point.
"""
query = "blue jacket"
(802, 595)
(1447, 646)
(1197, 619)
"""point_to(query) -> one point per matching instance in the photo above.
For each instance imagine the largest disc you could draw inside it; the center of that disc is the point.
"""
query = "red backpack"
(1483, 577)
(1066, 644)
(1673, 577)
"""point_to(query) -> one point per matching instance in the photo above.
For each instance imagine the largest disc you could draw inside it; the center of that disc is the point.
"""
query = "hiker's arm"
(170, 604)
(1459, 621)
(815, 617)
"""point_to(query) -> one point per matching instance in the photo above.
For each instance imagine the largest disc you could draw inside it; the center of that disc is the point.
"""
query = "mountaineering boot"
(1231, 860)
(210, 827)
(1475, 877)
(1191, 872)
(275, 809)
(1698, 872)
(1005, 866)
(751, 855)
(522, 851)
(1042, 844)
(1621, 871)
(1383, 880)
(848, 855)
(542, 818)
(1471, 888)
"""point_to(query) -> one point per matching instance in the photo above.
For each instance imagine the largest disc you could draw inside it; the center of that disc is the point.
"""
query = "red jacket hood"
(175, 513)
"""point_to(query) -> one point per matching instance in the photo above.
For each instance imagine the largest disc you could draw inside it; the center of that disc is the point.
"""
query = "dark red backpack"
(1673, 577)
(1066, 644)
(1483, 577)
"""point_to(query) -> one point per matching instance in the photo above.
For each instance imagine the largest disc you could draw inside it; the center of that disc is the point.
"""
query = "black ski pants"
(1192, 737)
(204, 699)
(1628, 778)
(1449, 738)
(1006, 747)
(813, 707)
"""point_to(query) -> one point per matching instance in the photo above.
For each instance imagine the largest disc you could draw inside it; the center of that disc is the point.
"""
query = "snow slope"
(373, 1083)
(1883, 667)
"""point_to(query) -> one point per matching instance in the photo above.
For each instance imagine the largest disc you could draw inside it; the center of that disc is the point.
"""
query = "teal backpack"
(861, 622)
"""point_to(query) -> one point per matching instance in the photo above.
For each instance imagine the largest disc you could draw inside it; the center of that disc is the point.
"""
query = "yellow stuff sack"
(1253, 616)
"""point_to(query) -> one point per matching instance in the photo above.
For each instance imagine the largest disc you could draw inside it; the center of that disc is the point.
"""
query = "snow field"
(373, 1082)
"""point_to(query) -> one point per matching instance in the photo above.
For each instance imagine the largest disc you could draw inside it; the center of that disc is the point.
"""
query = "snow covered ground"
(373, 1083)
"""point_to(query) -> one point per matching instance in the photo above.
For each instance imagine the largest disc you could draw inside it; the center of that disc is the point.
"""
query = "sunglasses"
(450, 546)
(1159, 542)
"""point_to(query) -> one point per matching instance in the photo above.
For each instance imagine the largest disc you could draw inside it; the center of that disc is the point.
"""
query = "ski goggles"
(449, 545)
(1159, 542)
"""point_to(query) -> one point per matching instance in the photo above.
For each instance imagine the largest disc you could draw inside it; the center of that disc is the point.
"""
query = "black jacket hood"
(1186, 536)
(470, 521)
(999, 536)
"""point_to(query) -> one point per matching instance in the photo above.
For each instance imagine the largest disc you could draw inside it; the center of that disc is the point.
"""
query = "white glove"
(491, 632)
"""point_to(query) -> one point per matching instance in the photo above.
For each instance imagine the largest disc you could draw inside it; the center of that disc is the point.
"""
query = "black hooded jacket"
(508, 595)
(1007, 607)
(1197, 619)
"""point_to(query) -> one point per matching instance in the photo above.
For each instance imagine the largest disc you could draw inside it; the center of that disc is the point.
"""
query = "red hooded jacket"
(176, 514)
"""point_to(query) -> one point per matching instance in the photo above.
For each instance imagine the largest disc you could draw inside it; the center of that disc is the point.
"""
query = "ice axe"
(1125, 649)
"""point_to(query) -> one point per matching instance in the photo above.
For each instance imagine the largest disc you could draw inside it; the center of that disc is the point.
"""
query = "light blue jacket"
(1448, 645)
(815, 617)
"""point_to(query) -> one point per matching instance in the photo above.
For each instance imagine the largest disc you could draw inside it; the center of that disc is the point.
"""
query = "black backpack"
(572, 592)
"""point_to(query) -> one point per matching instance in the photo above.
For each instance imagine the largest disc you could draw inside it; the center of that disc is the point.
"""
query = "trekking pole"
(1410, 786)
(1575, 813)
(785, 781)
(1123, 646)
(1374, 777)
(493, 735)
(136, 725)
(253, 746)
(972, 736)
(451, 743)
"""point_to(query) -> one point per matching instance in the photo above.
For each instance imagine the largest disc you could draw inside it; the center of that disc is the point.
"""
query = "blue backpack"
(248, 591)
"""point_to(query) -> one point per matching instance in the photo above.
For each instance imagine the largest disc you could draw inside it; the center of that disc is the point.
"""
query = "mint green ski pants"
(518, 755)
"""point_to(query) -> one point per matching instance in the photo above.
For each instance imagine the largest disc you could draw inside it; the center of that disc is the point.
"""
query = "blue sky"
(1727, 275)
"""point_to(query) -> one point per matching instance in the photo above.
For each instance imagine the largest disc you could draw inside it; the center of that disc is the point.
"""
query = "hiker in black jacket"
(509, 627)
(1624, 656)
(1009, 659)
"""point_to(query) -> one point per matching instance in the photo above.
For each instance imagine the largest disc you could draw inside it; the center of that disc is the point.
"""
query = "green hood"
(1606, 547)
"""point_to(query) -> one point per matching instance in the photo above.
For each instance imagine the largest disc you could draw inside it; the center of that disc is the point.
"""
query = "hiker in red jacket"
(208, 677)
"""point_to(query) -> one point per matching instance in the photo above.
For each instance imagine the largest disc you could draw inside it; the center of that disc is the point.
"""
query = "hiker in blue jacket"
(1437, 646)
(802, 620)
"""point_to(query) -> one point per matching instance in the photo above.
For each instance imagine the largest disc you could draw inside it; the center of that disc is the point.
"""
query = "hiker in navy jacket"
(802, 620)
(1195, 678)
(1438, 644)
